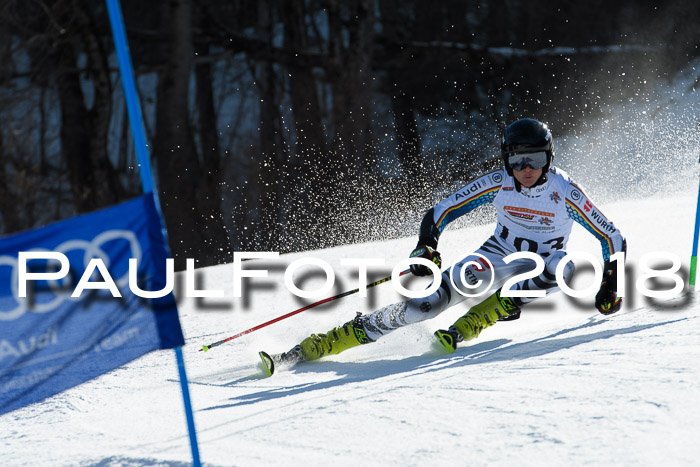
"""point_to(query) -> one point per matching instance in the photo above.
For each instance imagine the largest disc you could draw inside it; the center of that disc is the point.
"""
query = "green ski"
(270, 362)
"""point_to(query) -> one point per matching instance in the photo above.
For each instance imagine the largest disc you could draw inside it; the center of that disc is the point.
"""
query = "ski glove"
(606, 300)
(424, 251)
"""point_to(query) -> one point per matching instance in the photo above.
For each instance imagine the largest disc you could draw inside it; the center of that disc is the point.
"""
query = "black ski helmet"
(527, 135)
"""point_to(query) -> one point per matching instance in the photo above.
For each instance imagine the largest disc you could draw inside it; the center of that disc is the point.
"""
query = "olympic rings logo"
(91, 249)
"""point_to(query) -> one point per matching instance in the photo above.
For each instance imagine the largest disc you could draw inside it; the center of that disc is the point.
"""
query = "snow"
(563, 384)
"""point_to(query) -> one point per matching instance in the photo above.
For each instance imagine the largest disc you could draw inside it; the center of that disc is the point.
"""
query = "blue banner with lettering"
(51, 341)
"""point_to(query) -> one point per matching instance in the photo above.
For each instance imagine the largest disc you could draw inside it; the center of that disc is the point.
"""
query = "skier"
(536, 206)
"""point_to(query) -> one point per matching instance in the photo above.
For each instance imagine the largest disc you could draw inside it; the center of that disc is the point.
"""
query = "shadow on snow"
(485, 352)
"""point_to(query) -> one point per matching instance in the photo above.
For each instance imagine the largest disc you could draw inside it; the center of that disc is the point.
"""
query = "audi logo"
(91, 249)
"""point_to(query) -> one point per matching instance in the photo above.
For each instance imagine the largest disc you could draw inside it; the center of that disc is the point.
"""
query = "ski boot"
(350, 334)
(485, 314)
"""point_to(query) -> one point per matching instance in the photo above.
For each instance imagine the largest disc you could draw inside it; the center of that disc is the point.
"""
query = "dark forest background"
(299, 124)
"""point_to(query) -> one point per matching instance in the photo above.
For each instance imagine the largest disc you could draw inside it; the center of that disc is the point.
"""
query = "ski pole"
(292, 313)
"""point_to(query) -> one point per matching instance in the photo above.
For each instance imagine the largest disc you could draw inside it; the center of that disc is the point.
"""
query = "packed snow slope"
(562, 385)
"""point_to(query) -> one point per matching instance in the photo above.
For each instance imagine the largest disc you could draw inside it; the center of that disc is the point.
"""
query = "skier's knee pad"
(422, 308)
(552, 261)
(470, 276)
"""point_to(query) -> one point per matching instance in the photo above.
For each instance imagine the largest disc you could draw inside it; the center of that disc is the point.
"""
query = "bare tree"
(192, 234)
(84, 130)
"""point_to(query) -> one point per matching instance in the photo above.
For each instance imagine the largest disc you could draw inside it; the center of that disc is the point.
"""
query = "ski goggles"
(535, 160)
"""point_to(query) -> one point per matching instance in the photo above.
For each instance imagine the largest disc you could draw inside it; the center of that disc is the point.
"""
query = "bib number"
(526, 244)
